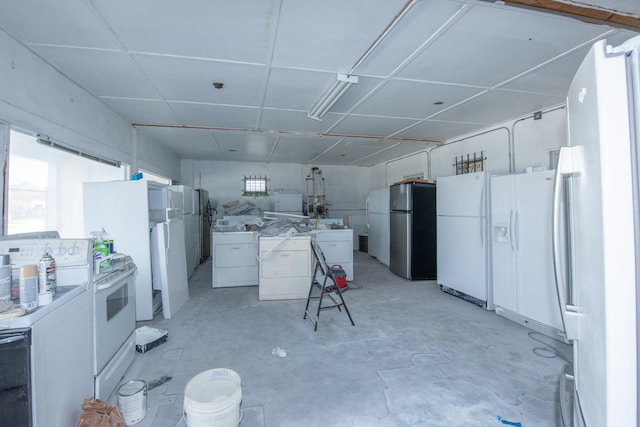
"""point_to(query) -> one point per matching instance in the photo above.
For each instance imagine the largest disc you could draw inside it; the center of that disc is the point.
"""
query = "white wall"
(38, 99)
(346, 187)
(508, 147)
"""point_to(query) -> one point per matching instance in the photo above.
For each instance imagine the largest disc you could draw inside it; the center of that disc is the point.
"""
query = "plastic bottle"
(100, 251)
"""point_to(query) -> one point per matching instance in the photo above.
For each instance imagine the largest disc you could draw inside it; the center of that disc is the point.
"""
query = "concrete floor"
(416, 356)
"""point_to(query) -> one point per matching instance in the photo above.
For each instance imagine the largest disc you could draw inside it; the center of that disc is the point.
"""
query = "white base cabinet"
(234, 259)
(337, 247)
(285, 267)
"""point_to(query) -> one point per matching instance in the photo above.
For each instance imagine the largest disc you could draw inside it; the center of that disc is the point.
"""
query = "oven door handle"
(11, 339)
(111, 284)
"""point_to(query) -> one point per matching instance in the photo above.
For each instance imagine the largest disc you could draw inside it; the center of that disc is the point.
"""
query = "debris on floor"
(279, 352)
(155, 383)
(509, 423)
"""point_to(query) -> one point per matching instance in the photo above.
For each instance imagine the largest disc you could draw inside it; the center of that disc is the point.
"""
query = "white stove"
(114, 322)
(73, 271)
(60, 344)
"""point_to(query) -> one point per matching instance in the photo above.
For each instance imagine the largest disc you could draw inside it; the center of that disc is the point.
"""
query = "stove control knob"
(74, 249)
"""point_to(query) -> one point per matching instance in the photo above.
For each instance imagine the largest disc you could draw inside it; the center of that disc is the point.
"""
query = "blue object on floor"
(508, 422)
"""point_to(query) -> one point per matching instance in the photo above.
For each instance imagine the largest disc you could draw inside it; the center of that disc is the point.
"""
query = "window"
(45, 185)
(255, 186)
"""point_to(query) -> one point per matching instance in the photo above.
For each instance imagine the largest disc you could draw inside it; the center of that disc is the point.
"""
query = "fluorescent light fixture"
(338, 87)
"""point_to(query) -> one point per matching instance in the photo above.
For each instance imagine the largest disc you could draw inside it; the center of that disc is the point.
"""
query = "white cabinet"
(285, 267)
(234, 259)
(337, 247)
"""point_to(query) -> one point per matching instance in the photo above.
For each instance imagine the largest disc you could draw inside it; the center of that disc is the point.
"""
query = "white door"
(461, 195)
(537, 295)
(173, 266)
(461, 255)
(502, 243)
(602, 320)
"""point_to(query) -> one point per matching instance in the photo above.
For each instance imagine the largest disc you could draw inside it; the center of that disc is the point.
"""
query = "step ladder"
(324, 288)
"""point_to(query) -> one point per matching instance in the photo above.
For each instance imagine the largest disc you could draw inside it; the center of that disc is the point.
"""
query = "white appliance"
(598, 282)
(287, 203)
(114, 322)
(462, 237)
(523, 282)
(234, 258)
(49, 349)
(285, 267)
(192, 225)
(337, 247)
(128, 210)
(377, 218)
(169, 265)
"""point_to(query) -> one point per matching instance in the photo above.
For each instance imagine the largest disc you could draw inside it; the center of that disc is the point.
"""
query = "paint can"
(132, 401)
(29, 287)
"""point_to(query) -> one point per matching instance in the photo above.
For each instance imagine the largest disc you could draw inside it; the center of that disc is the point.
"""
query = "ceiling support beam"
(582, 11)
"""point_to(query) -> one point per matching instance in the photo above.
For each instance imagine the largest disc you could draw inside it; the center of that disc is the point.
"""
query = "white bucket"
(212, 398)
(132, 401)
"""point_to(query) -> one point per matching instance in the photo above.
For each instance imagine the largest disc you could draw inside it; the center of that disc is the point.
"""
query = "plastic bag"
(100, 414)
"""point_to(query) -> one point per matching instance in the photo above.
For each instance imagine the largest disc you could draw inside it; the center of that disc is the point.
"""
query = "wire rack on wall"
(470, 164)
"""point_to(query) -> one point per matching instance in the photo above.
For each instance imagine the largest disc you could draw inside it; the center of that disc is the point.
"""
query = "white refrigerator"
(598, 280)
(128, 210)
(462, 237)
(523, 281)
(192, 225)
(377, 218)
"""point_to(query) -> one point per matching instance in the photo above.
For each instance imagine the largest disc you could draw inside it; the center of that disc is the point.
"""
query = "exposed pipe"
(286, 132)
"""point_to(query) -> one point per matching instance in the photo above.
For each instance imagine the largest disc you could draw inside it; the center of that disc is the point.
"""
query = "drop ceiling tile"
(215, 116)
(184, 79)
(398, 150)
(300, 149)
(349, 151)
(491, 44)
(100, 72)
(143, 111)
(413, 99)
(286, 120)
(499, 106)
(555, 78)
(65, 23)
(227, 30)
(331, 34)
(417, 26)
(370, 125)
(190, 143)
(439, 131)
(294, 89)
(256, 145)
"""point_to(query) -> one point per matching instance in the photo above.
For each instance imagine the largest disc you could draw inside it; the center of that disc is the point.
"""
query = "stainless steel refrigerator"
(412, 234)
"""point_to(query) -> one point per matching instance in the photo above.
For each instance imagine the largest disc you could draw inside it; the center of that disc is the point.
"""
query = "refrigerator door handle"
(516, 231)
(366, 213)
(168, 239)
(568, 312)
(510, 230)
